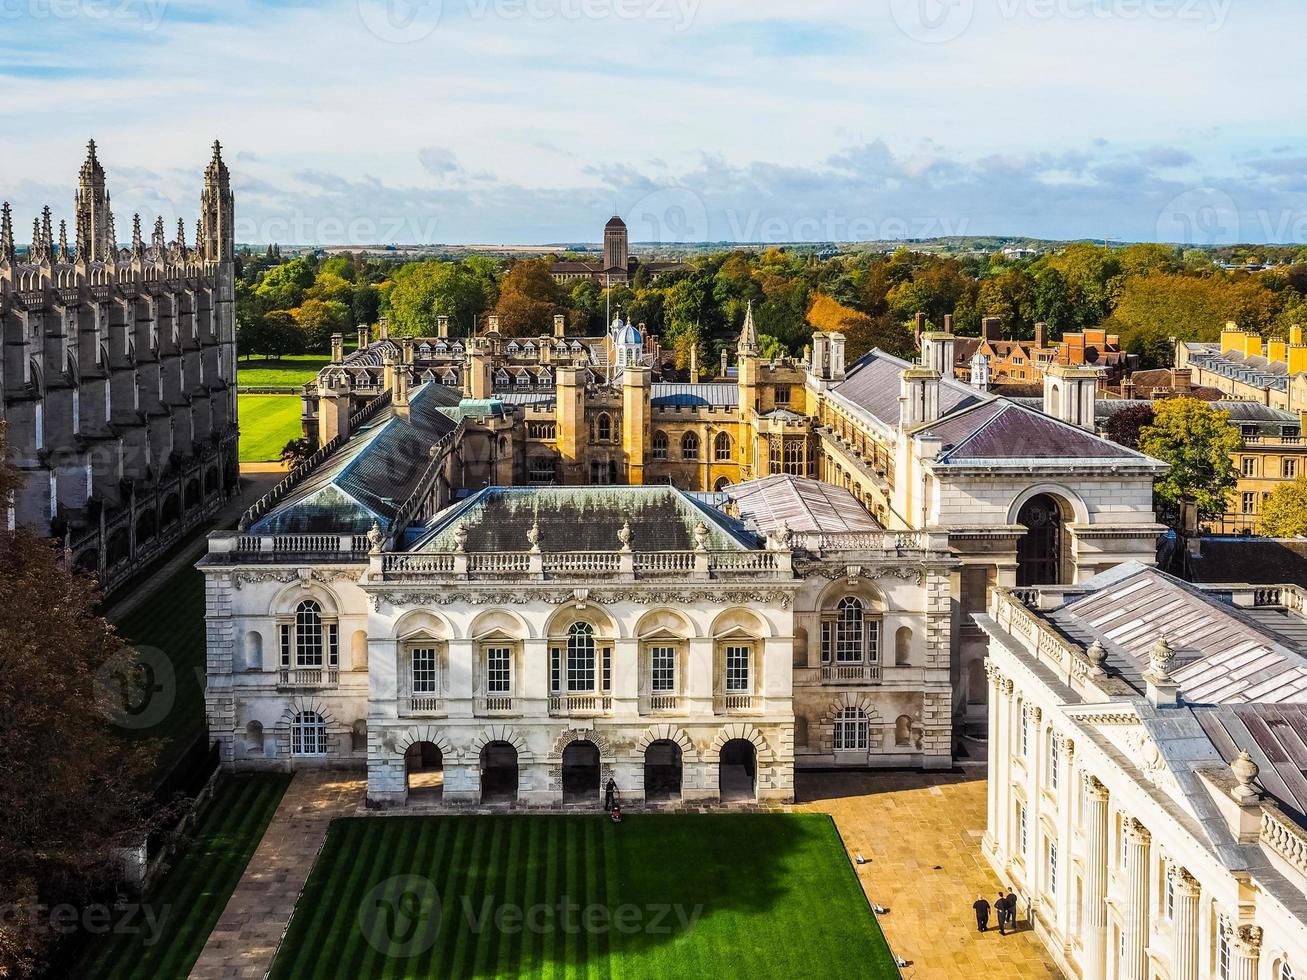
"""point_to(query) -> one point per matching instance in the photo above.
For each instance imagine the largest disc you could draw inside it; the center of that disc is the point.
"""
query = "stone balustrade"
(583, 565)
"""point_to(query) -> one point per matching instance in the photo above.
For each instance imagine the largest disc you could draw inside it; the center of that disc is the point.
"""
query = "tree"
(284, 286)
(318, 321)
(528, 299)
(296, 451)
(366, 304)
(1284, 515)
(1124, 427)
(1198, 442)
(426, 290)
(74, 787)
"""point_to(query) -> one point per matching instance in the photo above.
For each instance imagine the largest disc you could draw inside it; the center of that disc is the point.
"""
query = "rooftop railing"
(583, 565)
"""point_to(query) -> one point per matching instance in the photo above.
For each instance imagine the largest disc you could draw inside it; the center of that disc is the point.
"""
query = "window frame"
(308, 734)
(691, 447)
(851, 721)
(737, 677)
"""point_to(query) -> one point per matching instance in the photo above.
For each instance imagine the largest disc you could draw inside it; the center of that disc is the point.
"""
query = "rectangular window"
(581, 668)
(1223, 948)
(1052, 867)
(333, 645)
(1054, 750)
(607, 655)
(782, 395)
(1170, 897)
(1021, 828)
(1248, 503)
(827, 640)
(873, 641)
(737, 669)
(1250, 466)
(662, 664)
(1290, 469)
(499, 670)
(285, 644)
(424, 671)
(555, 661)
(1025, 733)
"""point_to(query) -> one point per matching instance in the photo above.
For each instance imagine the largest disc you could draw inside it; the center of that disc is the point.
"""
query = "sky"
(533, 121)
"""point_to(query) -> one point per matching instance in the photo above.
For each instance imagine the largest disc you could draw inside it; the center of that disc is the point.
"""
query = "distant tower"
(980, 372)
(616, 246)
(217, 212)
(92, 222)
(628, 345)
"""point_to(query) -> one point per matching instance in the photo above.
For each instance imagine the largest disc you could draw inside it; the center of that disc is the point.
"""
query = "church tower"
(92, 222)
(748, 360)
(616, 246)
(217, 212)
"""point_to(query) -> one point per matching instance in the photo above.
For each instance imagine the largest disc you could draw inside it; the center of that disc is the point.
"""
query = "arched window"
(850, 636)
(1286, 971)
(903, 646)
(581, 657)
(308, 734)
(903, 730)
(722, 448)
(605, 427)
(851, 730)
(849, 632)
(721, 484)
(660, 445)
(309, 640)
(690, 446)
(794, 461)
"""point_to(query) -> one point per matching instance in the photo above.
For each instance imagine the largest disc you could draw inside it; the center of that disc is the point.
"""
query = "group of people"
(1005, 907)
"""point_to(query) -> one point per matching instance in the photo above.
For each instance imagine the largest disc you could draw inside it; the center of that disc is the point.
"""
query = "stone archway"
(663, 771)
(1042, 552)
(580, 772)
(424, 769)
(737, 771)
(499, 772)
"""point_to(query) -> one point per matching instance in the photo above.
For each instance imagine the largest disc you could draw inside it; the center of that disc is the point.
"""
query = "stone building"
(118, 374)
(1147, 801)
(617, 267)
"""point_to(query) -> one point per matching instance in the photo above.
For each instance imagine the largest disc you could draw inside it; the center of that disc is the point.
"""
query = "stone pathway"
(245, 939)
(920, 834)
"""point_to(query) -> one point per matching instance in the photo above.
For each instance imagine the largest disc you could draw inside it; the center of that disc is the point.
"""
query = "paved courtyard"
(920, 834)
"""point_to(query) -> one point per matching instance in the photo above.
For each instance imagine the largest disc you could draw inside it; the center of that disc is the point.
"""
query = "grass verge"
(267, 423)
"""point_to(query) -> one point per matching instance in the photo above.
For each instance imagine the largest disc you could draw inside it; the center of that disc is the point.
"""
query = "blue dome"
(629, 336)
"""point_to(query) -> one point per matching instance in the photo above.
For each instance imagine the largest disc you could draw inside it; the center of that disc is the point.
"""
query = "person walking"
(610, 791)
(1012, 911)
(1001, 911)
(981, 908)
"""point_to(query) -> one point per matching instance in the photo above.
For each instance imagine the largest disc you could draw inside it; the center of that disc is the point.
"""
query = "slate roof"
(576, 519)
(800, 504)
(1275, 735)
(1224, 654)
(695, 395)
(369, 478)
(1005, 430)
(872, 383)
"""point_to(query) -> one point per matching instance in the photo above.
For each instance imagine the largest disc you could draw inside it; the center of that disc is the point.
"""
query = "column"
(1184, 924)
(994, 729)
(1094, 884)
(1134, 925)
(1245, 950)
(1003, 829)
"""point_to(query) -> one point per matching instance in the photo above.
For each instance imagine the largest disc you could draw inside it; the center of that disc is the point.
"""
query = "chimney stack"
(948, 322)
(560, 326)
(337, 348)
(442, 326)
(1041, 334)
(365, 336)
(694, 365)
(725, 362)
(918, 397)
(492, 324)
(383, 327)
(991, 328)
(920, 328)
(400, 399)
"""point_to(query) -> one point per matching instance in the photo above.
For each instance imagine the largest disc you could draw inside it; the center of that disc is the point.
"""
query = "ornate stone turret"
(63, 254)
(93, 218)
(749, 334)
(7, 248)
(138, 241)
(217, 211)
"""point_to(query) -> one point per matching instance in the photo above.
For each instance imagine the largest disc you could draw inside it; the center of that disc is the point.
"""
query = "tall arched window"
(849, 637)
(660, 445)
(794, 461)
(308, 638)
(690, 446)
(851, 730)
(308, 734)
(581, 657)
(722, 448)
(605, 427)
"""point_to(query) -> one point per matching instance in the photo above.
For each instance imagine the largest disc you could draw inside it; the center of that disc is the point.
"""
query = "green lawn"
(294, 369)
(168, 630)
(267, 423)
(186, 904)
(742, 895)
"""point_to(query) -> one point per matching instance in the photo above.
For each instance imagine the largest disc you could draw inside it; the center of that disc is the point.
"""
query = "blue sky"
(485, 121)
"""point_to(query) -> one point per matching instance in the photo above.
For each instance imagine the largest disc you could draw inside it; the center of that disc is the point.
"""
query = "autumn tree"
(1284, 514)
(74, 788)
(528, 299)
(1198, 442)
(861, 332)
(1124, 427)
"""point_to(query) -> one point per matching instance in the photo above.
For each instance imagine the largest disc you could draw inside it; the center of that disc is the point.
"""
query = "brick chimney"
(1041, 334)
(991, 328)
(1181, 379)
(920, 328)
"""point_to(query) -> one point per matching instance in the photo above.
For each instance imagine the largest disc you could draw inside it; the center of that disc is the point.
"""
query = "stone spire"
(138, 243)
(63, 252)
(7, 253)
(749, 335)
(92, 204)
(181, 235)
(217, 240)
(111, 236)
(158, 239)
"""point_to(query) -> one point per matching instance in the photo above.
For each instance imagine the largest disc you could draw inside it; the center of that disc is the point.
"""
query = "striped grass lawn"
(267, 423)
(189, 900)
(695, 895)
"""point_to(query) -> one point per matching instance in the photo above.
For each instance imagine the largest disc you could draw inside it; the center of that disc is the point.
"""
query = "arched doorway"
(498, 773)
(662, 771)
(1040, 550)
(581, 773)
(425, 768)
(738, 771)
